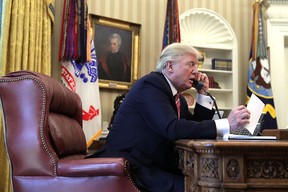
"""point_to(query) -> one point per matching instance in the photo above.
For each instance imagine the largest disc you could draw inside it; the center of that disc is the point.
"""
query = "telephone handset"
(199, 85)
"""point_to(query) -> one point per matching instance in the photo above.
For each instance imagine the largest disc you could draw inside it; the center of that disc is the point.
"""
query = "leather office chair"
(45, 142)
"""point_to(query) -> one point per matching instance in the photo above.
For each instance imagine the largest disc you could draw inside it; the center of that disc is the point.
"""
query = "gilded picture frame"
(201, 61)
(117, 45)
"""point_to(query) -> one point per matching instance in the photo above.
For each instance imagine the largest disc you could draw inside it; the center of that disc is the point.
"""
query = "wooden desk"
(214, 166)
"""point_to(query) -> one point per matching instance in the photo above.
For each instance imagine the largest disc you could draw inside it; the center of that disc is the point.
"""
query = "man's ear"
(169, 66)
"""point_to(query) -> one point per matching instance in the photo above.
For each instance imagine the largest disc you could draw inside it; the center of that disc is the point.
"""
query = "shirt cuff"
(223, 128)
(205, 101)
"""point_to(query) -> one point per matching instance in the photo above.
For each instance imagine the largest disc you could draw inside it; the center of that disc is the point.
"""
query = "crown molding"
(276, 9)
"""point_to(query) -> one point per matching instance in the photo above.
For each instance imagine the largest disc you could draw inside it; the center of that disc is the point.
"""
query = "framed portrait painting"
(117, 45)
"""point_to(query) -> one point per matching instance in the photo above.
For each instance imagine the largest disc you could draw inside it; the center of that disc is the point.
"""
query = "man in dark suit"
(147, 123)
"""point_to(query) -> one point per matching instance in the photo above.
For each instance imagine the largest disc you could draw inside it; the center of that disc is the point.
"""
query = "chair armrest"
(93, 167)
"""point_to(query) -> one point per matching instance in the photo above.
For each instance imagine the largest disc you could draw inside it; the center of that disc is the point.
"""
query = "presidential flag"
(259, 79)
(172, 27)
(79, 64)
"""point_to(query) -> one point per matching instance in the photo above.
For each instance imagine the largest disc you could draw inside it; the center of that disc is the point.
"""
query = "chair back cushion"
(42, 122)
(67, 136)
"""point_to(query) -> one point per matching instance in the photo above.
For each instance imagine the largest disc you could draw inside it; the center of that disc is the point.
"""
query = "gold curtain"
(25, 45)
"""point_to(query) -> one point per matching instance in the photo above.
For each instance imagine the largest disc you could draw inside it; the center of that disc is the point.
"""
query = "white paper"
(255, 106)
(249, 137)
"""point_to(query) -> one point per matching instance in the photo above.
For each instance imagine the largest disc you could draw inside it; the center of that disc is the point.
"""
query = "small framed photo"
(117, 45)
(201, 61)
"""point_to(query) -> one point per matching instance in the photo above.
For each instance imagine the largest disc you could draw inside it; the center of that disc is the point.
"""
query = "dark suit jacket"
(145, 128)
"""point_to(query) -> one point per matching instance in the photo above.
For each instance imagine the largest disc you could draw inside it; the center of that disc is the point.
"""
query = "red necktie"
(177, 101)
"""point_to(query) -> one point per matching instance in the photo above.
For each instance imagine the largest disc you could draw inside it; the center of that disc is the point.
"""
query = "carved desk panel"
(217, 165)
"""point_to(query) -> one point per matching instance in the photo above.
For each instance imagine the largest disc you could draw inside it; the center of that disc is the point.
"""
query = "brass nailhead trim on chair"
(42, 115)
(127, 169)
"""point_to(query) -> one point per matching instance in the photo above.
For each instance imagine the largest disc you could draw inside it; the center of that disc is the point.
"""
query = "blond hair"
(173, 52)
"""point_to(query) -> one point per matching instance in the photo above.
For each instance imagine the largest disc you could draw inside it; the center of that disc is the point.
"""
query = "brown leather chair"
(45, 142)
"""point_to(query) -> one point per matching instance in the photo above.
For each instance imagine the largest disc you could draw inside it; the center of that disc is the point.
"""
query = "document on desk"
(249, 137)
(255, 106)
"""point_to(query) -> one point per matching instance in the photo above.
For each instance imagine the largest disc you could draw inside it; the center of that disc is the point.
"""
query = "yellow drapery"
(25, 45)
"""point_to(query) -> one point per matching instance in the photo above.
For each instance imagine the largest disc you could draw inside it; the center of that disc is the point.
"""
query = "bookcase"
(213, 36)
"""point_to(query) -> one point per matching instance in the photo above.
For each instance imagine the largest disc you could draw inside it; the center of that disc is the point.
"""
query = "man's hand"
(238, 117)
(204, 78)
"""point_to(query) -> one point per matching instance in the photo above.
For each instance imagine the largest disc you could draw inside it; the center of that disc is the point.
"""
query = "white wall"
(277, 41)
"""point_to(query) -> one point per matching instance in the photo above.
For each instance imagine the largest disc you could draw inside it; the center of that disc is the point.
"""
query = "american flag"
(171, 28)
